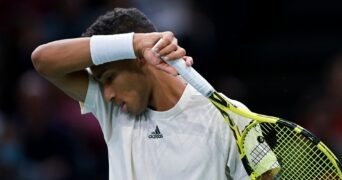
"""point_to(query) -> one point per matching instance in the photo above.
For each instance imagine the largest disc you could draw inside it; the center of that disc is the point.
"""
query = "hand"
(158, 47)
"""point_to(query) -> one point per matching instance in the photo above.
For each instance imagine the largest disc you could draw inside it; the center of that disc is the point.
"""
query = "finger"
(188, 60)
(165, 40)
(152, 57)
(169, 48)
(179, 53)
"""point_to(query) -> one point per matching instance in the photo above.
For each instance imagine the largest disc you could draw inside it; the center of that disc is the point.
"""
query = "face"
(124, 84)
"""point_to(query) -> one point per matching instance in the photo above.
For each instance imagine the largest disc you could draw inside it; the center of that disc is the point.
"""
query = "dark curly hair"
(120, 20)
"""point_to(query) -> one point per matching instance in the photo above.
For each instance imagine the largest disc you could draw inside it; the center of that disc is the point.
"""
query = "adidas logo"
(155, 134)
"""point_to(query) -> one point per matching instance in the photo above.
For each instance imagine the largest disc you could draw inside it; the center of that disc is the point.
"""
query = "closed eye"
(107, 78)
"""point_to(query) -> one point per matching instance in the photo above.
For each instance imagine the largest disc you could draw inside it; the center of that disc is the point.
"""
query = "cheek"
(127, 82)
(136, 102)
(133, 90)
(143, 94)
(137, 98)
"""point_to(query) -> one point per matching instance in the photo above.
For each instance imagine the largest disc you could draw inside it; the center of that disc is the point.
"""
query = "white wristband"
(108, 48)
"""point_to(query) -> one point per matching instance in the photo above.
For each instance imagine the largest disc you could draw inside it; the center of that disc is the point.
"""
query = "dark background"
(275, 56)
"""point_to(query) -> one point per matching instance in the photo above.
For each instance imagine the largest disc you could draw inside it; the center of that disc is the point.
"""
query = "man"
(155, 125)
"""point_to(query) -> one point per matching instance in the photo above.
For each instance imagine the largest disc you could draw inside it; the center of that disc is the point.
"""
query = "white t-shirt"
(190, 141)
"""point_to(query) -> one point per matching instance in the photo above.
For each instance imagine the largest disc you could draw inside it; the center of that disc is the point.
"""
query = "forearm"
(58, 58)
(63, 62)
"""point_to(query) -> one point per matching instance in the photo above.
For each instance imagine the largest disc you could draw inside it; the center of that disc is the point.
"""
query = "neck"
(166, 90)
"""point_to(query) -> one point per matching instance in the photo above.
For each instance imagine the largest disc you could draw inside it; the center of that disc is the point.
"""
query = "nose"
(108, 93)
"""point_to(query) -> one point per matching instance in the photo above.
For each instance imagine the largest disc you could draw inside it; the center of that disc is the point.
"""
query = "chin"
(133, 112)
(139, 112)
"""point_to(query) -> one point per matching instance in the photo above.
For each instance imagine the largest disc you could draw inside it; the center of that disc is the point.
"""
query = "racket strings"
(258, 153)
(297, 156)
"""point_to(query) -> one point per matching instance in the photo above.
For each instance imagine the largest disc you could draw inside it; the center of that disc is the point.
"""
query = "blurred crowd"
(280, 58)
(322, 106)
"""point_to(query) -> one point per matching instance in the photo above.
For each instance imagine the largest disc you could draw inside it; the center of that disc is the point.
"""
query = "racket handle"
(190, 75)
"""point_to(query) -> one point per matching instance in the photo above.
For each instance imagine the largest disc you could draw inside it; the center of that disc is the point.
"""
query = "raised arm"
(63, 62)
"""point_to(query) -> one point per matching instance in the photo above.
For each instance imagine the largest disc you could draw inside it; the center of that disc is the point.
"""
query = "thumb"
(151, 57)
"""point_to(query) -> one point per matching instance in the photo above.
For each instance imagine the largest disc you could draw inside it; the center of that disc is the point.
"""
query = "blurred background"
(279, 57)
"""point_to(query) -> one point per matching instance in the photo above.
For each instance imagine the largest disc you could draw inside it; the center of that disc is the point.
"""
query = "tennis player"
(156, 126)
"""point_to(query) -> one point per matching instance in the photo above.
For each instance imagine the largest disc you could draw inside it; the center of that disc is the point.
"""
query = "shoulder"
(240, 120)
(235, 102)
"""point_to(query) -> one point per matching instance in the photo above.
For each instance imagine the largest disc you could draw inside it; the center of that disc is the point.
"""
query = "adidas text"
(156, 134)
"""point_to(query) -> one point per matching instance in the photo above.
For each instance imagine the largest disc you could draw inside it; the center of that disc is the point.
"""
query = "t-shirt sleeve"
(95, 102)
(89, 104)
(103, 111)
(241, 122)
(234, 163)
(93, 90)
(235, 167)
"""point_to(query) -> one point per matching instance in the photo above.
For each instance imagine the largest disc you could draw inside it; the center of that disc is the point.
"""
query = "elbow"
(37, 58)
(40, 60)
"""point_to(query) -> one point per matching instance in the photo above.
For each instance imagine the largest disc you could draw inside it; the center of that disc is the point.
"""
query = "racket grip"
(190, 75)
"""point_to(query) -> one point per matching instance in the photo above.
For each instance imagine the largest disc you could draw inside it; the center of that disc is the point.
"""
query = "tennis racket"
(269, 147)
